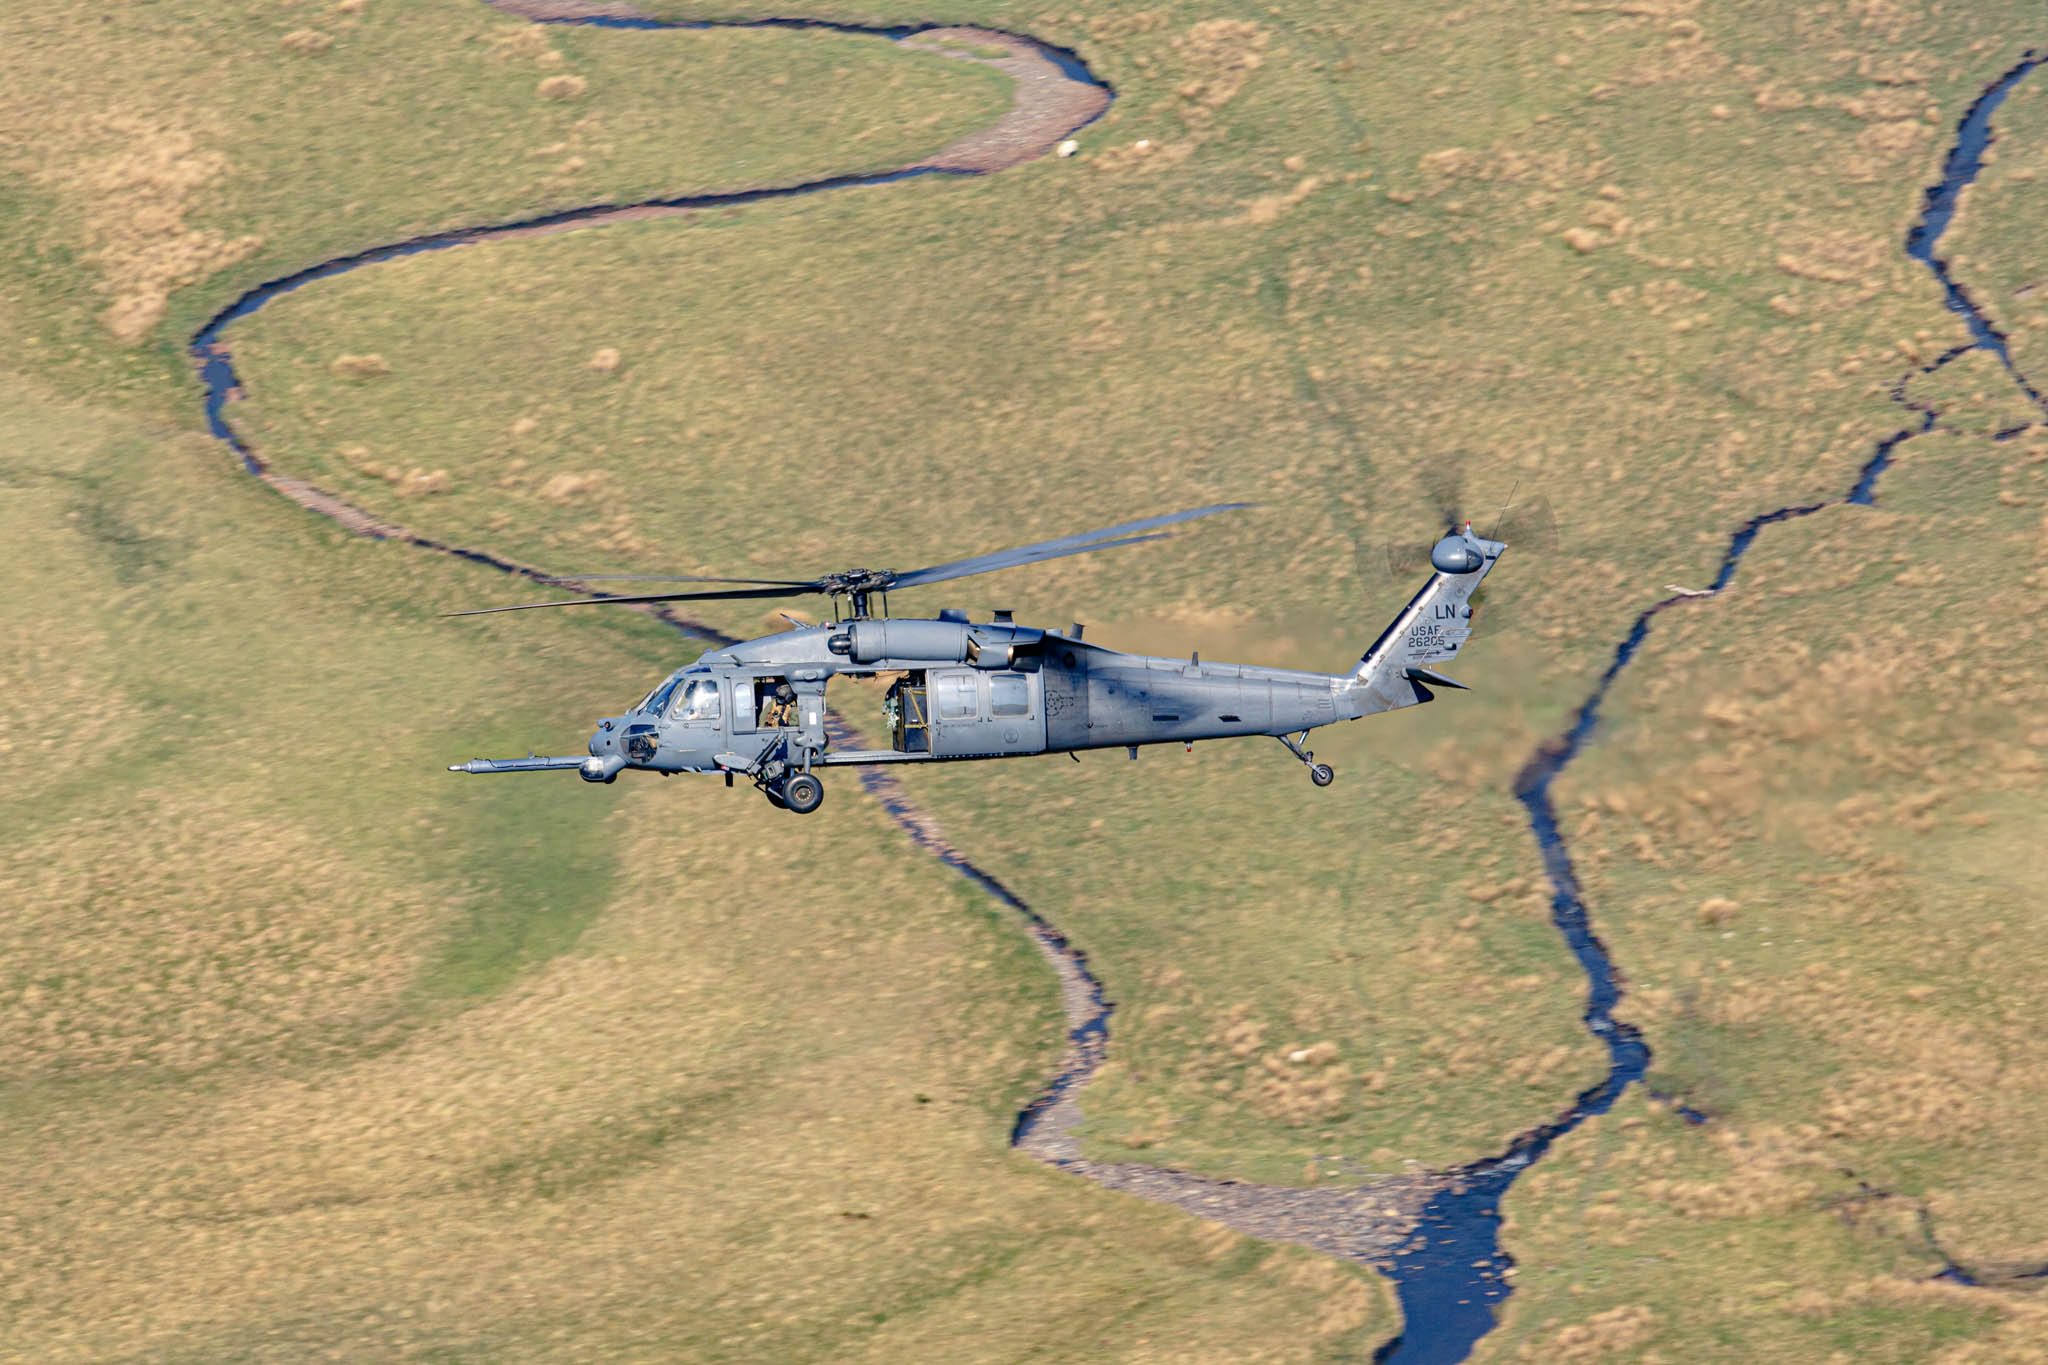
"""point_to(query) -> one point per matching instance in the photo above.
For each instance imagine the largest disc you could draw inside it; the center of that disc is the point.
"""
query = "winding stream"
(1448, 1275)
(1436, 1235)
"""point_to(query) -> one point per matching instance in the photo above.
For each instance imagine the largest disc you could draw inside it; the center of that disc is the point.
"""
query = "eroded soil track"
(1436, 1234)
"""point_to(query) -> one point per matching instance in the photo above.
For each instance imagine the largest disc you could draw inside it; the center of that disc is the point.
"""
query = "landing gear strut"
(786, 785)
(789, 788)
(1322, 774)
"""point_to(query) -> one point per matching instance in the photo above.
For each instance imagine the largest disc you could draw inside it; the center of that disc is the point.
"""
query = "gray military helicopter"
(961, 689)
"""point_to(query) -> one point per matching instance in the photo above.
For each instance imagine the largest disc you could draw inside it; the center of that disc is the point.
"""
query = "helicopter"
(960, 689)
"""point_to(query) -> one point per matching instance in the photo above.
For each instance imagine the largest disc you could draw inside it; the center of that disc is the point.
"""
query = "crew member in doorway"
(779, 710)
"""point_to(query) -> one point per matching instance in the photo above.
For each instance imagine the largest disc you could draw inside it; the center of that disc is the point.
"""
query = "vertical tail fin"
(1429, 631)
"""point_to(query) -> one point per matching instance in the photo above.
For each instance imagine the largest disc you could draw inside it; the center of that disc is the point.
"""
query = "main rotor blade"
(1055, 549)
(671, 578)
(795, 591)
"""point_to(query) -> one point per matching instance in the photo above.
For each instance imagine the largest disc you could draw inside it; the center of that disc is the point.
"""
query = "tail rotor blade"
(1530, 524)
(1443, 479)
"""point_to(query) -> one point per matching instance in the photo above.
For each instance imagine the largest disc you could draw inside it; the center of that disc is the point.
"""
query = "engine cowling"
(873, 641)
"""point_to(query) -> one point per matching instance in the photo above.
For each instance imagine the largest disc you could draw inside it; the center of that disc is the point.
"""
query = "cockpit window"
(658, 703)
(699, 701)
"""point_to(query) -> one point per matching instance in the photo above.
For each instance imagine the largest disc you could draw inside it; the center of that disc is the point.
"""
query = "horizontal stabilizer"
(1435, 679)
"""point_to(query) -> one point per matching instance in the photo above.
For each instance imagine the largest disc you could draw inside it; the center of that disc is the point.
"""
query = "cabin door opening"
(907, 706)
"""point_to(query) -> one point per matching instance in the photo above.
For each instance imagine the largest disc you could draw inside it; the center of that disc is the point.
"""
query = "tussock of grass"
(135, 186)
(361, 366)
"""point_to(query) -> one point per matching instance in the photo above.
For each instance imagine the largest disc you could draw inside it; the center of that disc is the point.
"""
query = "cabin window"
(957, 697)
(700, 701)
(1009, 695)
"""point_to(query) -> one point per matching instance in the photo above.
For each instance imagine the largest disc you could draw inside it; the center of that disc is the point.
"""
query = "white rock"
(1069, 147)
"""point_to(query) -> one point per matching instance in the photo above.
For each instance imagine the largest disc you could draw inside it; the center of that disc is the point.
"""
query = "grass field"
(1817, 833)
(314, 1049)
(165, 157)
(1818, 825)
(1305, 291)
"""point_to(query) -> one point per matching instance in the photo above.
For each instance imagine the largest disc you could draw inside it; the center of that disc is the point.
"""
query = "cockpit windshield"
(657, 701)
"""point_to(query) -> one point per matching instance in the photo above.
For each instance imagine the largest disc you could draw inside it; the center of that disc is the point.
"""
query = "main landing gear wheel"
(1322, 774)
(774, 796)
(803, 793)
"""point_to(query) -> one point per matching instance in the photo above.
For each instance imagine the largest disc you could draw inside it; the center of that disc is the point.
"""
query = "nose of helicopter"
(605, 739)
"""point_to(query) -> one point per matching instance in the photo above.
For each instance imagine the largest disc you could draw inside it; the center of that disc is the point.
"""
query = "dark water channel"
(1449, 1274)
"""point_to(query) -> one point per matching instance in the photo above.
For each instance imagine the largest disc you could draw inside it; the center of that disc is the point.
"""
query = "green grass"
(1639, 1236)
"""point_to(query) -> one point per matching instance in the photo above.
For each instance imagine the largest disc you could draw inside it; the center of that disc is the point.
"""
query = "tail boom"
(1399, 668)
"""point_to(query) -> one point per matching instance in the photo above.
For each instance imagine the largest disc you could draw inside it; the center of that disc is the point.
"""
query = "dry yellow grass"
(135, 180)
(360, 366)
(1718, 349)
(307, 41)
(214, 941)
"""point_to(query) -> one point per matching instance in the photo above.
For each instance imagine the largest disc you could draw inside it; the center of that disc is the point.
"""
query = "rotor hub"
(858, 580)
(857, 586)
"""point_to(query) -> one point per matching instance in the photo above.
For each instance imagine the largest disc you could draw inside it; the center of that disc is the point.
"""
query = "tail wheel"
(803, 793)
(1322, 774)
